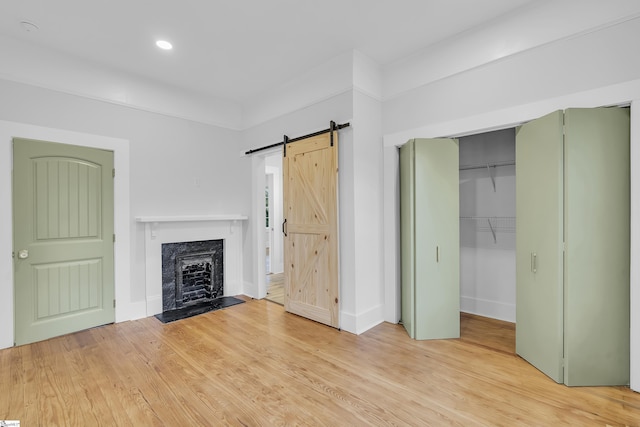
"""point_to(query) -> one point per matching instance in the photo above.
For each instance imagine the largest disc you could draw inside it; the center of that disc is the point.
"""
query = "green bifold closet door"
(430, 243)
(572, 245)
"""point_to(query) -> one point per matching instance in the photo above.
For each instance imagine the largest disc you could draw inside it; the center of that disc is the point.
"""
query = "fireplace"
(161, 230)
(192, 273)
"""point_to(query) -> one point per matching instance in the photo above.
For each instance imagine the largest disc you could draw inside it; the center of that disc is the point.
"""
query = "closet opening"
(487, 194)
(555, 270)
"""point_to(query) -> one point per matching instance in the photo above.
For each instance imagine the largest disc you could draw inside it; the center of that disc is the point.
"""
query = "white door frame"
(125, 310)
(258, 183)
(275, 219)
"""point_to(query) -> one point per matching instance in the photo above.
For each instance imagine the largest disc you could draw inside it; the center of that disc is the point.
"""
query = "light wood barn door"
(310, 169)
(63, 239)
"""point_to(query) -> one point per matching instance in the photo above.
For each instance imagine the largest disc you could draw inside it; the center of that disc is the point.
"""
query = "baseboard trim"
(154, 305)
(487, 308)
(358, 324)
(137, 310)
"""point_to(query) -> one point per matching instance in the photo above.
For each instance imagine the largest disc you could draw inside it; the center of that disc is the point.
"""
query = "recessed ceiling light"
(163, 44)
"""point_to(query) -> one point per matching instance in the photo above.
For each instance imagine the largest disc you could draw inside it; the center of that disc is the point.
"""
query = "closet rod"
(320, 132)
(485, 165)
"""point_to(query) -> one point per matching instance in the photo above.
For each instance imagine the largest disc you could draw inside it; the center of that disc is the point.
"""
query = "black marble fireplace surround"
(192, 273)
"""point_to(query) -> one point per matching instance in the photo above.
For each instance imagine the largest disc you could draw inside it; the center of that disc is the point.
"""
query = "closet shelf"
(502, 224)
(486, 165)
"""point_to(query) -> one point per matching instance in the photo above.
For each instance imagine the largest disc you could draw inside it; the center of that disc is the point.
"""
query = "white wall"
(589, 70)
(176, 166)
(319, 84)
(367, 210)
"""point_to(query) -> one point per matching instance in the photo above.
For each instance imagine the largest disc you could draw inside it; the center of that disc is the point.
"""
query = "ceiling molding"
(48, 69)
(522, 30)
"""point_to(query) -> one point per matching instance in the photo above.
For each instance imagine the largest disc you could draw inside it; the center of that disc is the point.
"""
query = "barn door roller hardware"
(285, 141)
(332, 128)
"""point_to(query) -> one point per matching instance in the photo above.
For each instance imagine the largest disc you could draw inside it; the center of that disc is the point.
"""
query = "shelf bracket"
(493, 231)
(493, 179)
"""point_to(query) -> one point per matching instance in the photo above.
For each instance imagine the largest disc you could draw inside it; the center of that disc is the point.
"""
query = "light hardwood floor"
(255, 365)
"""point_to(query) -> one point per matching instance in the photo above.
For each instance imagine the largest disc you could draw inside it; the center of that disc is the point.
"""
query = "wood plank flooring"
(255, 365)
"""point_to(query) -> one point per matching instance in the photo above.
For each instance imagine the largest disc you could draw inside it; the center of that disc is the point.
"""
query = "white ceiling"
(237, 49)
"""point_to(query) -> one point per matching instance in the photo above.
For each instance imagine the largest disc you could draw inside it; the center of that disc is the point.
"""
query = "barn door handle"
(437, 253)
(284, 230)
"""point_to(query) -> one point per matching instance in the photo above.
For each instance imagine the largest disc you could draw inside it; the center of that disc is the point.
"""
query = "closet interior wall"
(487, 225)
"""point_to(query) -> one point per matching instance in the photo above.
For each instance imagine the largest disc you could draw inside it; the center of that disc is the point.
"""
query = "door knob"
(23, 254)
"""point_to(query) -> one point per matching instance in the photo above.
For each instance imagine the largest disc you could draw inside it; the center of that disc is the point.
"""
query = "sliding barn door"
(310, 169)
(539, 252)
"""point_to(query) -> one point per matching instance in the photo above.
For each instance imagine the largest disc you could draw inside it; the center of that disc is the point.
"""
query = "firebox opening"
(192, 273)
(194, 278)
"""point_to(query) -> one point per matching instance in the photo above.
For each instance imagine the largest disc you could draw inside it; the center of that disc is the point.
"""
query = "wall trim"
(220, 124)
(360, 323)
(487, 46)
(487, 308)
(618, 94)
(292, 108)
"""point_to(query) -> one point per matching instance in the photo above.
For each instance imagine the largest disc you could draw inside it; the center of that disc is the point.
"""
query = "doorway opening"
(487, 239)
(273, 253)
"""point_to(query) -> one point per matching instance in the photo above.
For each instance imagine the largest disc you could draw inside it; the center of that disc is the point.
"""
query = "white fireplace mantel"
(188, 228)
(189, 218)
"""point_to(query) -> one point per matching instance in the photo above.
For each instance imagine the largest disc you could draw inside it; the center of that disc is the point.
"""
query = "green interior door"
(539, 244)
(63, 239)
(430, 238)
(597, 176)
